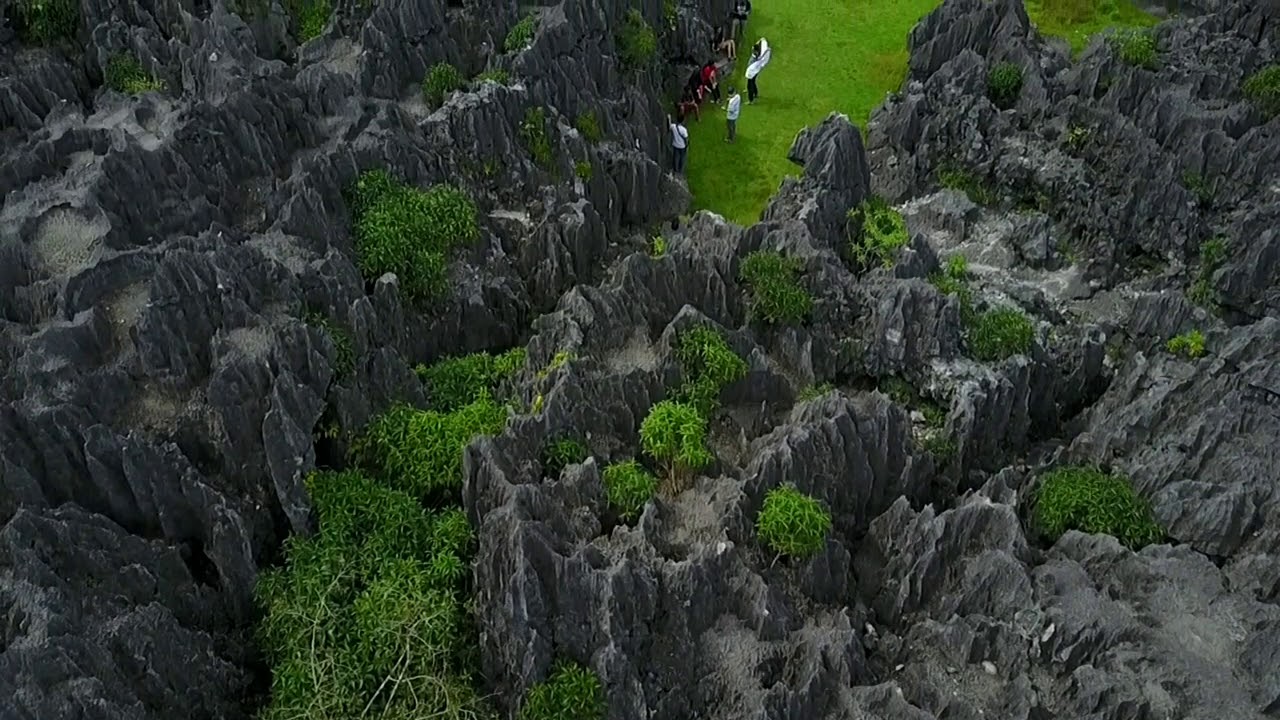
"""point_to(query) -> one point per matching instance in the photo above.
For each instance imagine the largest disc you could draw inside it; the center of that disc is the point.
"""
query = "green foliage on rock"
(582, 170)
(1189, 344)
(344, 349)
(951, 175)
(637, 42)
(367, 618)
(309, 16)
(1088, 500)
(572, 692)
(777, 297)
(815, 391)
(442, 80)
(521, 34)
(1004, 84)
(953, 280)
(125, 74)
(629, 487)
(44, 22)
(793, 523)
(999, 334)
(562, 452)
(408, 231)
(1263, 88)
(533, 132)
(883, 232)
(675, 434)
(1213, 253)
(1134, 46)
(497, 75)
(589, 125)
(707, 363)
(420, 451)
(1201, 187)
(457, 381)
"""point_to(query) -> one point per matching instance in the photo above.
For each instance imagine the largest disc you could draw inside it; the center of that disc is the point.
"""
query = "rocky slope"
(161, 389)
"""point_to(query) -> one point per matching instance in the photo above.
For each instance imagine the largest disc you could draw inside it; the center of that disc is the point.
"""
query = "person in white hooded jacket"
(761, 54)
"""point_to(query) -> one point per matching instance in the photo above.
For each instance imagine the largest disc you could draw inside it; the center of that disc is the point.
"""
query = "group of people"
(704, 83)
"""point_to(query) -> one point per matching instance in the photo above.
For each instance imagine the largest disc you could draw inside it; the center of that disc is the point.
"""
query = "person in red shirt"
(711, 80)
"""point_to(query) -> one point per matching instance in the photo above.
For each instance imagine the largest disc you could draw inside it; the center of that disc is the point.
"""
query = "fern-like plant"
(572, 692)
(777, 297)
(707, 363)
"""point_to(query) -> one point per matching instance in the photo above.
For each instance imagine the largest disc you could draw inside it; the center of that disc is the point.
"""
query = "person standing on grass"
(761, 54)
(738, 18)
(679, 143)
(731, 114)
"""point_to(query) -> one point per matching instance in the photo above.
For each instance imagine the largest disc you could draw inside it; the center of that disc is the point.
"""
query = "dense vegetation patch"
(442, 80)
(814, 391)
(344, 356)
(497, 75)
(521, 34)
(637, 42)
(125, 74)
(309, 17)
(589, 125)
(951, 175)
(1213, 253)
(776, 293)
(1079, 20)
(1134, 46)
(707, 364)
(953, 280)
(793, 523)
(572, 692)
(1201, 187)
(1263, 88)
(879, 232)
(42, 22)
(629, 487)
(583, 170)
(999, 334)
(1189, 344)
(1088, 500)
(533, 133)
(458, 381)
(675, 435)
(1004, 84)
(561, 452)
(408, 231)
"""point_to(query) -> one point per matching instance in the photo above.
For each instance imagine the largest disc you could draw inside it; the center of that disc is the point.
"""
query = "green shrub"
(533, 132)
(441, 80)
(637, 42)
(658, 246)
(582, 170)
(1077, 138)
(420, 451)
(1004, 84)
(815, 391)
(906, 395)
(497, 75)
(1263, 88)
(560, 453)
(776, 293)
(310, 17)
(43, 22)
(521, 34)
(125, 74)
(1189, 344)
(957, 267)
(571, 693)
(954, 177)
(589, 126)
(949, 284)
(675, 434)
(707, 363)
(1000, 333)
(1213, 253)
(343, 349)
(629, 487)
(792, 523)
(408, 231)
(670, 13)
(938, 444)
(376, 599)
(1135, 47)
(1088, 500)
(457, 381)
(1200, 187)
(883, 233)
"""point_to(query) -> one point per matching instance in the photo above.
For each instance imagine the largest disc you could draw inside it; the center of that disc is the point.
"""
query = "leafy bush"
(533, 132)
(957, 267)
(675, 434)
(658, 246)
(938, 444)
(344, 351)
(637, 42)
(949, 284)
(441, 80)
(521, 34)
(1077, 138)
(408, 231)
(883, 233)
(457, 381)
(420, 451)
(571, 693)
(589, 125)
(582, 170)
(708, 364)
(1213, 253)
(1000, 333)
(560, 453)
(1200, 187)
(793, 523)
(1088, 500)
(1189, 344)
(125, 74)
(43, 22)
(1263, 88)
(310, 16)
(954, 177)
(815, 391)
(776, 293)
(1135, 47)
(629, 487)
(368, 616)
(498, 75)
(1004, 84)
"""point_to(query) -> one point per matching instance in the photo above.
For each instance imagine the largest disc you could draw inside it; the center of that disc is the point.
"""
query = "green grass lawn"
(830, 55)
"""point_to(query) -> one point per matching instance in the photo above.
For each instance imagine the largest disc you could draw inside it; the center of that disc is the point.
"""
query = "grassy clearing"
(833, 55)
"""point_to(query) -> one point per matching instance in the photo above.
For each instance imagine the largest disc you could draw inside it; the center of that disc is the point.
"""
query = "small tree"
(629, 487)
(675, 434)
(1004, 84)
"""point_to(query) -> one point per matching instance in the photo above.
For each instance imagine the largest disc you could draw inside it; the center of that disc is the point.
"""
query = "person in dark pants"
(679, 144)
(738, 18)
(711, 80)
(761, 54)
(731, 114)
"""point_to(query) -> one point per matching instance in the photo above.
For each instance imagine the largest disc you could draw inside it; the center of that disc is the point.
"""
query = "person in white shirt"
(761, 54)
(679, 143)
(732, 111)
